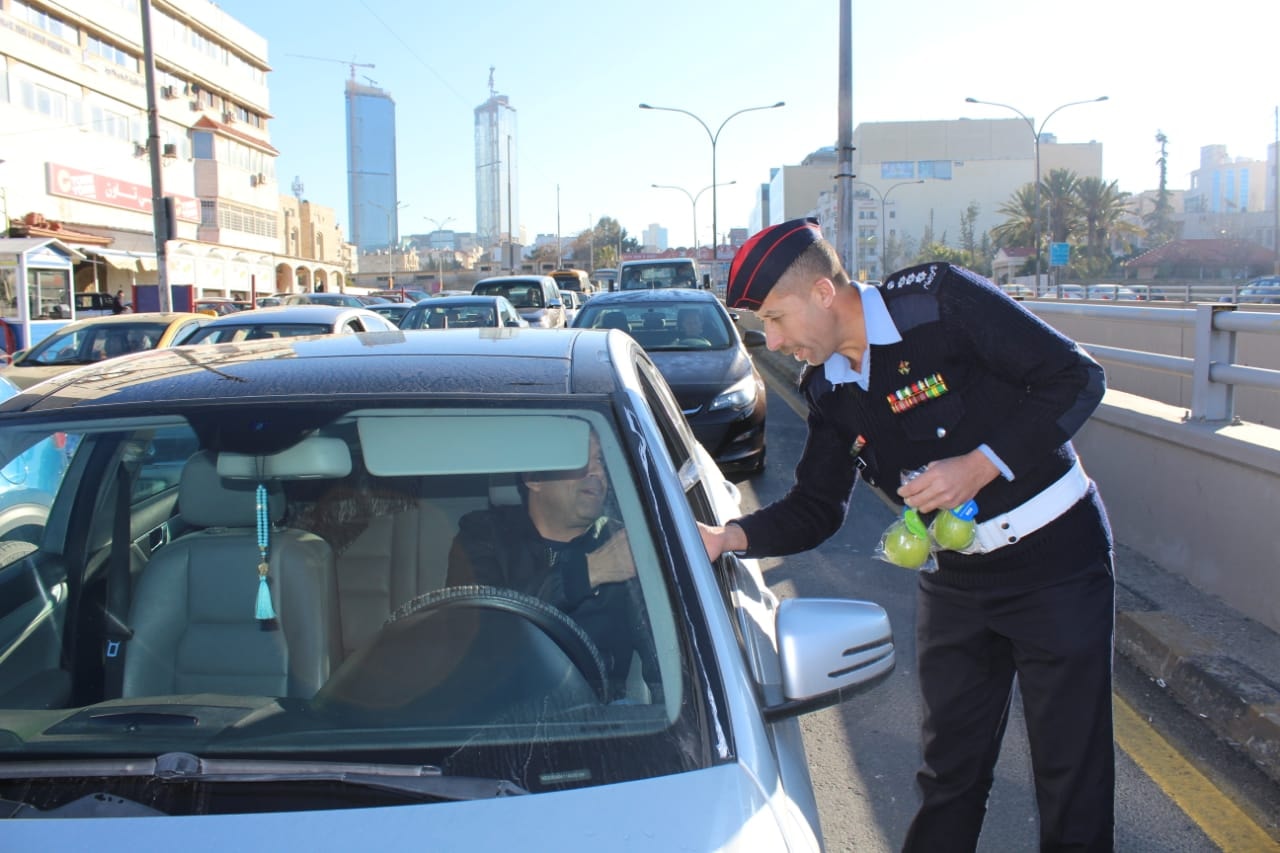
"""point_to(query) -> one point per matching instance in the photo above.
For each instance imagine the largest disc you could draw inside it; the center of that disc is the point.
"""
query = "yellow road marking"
(1217, 816)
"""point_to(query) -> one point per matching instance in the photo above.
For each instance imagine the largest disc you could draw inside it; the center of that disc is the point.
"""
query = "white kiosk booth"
(35, 289)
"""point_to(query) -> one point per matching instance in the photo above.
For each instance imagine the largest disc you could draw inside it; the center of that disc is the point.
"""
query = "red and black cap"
(764, 258)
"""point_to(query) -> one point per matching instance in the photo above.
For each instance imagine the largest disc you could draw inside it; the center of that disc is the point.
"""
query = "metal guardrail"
(1213, 371)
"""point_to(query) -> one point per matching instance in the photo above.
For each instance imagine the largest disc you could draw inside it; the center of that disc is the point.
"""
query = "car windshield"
(95, 342)
(521, 294)
(374, 632)
(256, 332)
(662, 325)
(646, 276)
(433, 315)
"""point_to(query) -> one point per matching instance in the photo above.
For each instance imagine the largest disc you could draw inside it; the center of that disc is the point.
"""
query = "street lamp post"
(693, 202)
(884, 197)
(1035, 135)
(439, 224)
(714, 137)
(391, 239)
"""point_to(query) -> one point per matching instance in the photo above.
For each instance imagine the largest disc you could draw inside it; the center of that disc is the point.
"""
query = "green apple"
(904, 548)
(951, 532)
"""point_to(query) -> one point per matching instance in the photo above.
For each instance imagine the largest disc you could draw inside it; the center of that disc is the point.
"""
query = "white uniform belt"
(1031, 514)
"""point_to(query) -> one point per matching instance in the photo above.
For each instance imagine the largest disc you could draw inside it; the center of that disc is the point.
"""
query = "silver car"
(239, 628)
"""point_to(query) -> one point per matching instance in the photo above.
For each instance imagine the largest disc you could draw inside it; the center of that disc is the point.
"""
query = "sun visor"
(415, 445)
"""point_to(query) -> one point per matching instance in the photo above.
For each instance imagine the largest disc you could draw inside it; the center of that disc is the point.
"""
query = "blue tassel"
(263, 609)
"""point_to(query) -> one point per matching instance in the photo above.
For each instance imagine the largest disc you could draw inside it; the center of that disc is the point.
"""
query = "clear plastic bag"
(906, 543)
(954, 529)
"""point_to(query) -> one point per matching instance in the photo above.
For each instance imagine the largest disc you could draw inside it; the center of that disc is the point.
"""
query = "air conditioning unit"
(170, 150)
(228, 117)
(168, 92)
(257, 180)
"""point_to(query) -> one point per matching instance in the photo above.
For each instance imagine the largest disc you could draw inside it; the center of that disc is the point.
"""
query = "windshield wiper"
(420, 779)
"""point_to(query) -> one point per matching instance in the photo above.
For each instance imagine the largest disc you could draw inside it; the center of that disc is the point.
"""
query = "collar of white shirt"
(880, 331)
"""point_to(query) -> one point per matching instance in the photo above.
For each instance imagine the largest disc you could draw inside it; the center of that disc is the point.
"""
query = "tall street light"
(884, 196)
(439, 224)
(714, 137)
(693, 201)
(391, 239)
(1035, 134)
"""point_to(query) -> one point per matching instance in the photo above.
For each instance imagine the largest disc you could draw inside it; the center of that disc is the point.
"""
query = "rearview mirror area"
(830, 650)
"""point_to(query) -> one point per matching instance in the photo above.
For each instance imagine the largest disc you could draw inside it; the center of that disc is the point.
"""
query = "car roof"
(311, 313)
(459, 299)
(655, 295)
(515, 278)
(546, 363)
(127, 319)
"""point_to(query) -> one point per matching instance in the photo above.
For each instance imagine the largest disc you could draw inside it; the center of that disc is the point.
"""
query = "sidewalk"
(1220, 665)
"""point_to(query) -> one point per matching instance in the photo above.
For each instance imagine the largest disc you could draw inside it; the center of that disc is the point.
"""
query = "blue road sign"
(1059, 254)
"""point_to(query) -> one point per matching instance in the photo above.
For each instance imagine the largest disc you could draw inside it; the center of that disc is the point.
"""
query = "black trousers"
(1057, 639)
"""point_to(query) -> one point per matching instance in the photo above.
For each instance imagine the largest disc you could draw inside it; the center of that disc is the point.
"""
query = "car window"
(493, 693)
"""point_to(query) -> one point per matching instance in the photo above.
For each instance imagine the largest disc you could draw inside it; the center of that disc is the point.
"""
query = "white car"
(285, 664)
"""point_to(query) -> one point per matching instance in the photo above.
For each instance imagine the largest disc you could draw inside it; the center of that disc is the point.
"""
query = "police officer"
(938, 369)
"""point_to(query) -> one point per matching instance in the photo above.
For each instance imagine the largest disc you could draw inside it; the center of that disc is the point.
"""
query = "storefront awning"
(124, 261)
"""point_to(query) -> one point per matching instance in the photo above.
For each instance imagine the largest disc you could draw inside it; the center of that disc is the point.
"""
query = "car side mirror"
(754, 338)
(830, 650)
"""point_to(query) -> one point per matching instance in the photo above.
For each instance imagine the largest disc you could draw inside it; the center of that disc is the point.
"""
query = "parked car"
(463, 312)
(290, 321)
(323, 298)
(97, 338)
(536, 297)
(1068, 291)
(1018, 291)
(93, 304)
(344, 692)
(1260, 291)
(711, 371)
(402, 294)
(573, 302)
(216, 306)
(27, 484)
(1110, 291)
(393, 311)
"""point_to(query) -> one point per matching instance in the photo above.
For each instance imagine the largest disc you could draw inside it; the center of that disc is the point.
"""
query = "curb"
(1235, 702)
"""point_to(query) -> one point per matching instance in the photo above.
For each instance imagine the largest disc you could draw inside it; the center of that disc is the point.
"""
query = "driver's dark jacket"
(1012, 383)
(501, 547)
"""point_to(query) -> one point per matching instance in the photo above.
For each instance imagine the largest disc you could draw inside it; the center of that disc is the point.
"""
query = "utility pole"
(844, 142)
(159, 214)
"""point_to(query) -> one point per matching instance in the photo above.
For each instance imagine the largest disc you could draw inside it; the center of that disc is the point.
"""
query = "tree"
(1159, 222)
(1102, 206)
(968, 241)
(1058, 191)
(1019, 227)
(601, 242)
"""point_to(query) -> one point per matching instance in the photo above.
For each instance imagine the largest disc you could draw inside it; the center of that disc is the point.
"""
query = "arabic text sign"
(100, 189)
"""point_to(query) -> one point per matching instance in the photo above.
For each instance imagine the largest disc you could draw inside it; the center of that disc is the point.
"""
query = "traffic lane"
(864, 753)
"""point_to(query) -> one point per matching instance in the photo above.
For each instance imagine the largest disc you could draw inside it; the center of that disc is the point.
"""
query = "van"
(571, 279)
(658, 273)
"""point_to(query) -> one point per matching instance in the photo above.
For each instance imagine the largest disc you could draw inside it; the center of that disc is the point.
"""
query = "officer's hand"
(950, 482)
(718, 540)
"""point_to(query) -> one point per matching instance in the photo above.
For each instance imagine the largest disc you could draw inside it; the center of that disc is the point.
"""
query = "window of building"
(110, 122)
(43, 20)
(938, 170)
(111, 53)
(44, 100)
(894, 169)
(202, 145)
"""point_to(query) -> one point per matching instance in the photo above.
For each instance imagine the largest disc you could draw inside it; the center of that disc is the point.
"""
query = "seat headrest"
(207, 499)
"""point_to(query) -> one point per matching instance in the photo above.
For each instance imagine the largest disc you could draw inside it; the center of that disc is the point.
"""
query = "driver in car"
(689, 322)
(558, 545)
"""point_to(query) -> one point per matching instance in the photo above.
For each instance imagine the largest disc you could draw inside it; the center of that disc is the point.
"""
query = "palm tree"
(1059, 192)
(1103, 207)
(1019, 226)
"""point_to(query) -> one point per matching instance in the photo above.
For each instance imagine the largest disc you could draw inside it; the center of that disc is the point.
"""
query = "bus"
(571, 279)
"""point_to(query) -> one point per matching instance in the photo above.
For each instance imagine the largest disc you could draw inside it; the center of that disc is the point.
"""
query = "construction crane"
(351, 62)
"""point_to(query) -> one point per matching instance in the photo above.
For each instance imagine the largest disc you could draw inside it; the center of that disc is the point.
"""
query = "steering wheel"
(550, 620)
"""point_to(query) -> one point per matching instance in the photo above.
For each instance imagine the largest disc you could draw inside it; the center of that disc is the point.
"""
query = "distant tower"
(297, 187)
(371, 167)
(497, 176)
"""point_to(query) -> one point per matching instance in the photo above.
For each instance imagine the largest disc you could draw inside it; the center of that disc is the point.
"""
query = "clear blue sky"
(576, 72)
